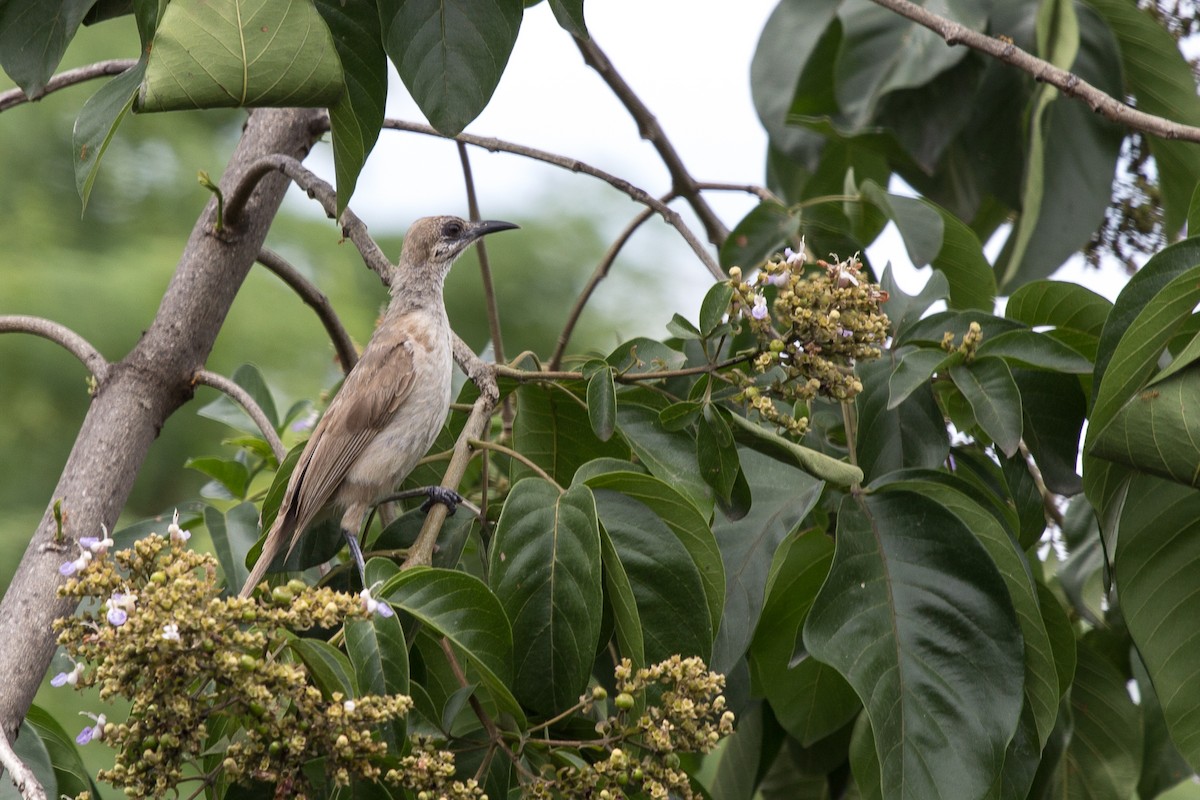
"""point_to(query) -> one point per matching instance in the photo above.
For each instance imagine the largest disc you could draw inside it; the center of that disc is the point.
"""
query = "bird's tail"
(279, 536)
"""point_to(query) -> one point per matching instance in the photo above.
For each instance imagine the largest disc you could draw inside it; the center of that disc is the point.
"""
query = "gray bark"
(135, 398)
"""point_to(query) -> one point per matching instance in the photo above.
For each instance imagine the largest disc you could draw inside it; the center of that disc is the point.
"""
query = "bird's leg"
(351, 537)
(440, 494)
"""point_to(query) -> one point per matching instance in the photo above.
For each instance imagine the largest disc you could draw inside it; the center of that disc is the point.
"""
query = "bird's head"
(432, 243)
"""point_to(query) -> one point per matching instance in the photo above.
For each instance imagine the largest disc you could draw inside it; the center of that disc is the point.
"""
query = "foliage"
(863, 508)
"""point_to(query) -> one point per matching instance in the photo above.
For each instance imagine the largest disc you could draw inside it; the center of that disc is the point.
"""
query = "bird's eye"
(452, 230)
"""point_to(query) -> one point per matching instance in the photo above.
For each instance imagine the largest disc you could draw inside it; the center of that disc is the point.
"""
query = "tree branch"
(21, 775)
(1066, 82)
(243, 398)
(75, 344)
(682, 183)
(133, 403)
(574, 165)
(314, 298)
(15, 97)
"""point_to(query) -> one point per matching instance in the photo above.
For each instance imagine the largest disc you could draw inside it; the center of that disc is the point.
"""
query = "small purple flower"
(119, 606)
(790, 256)
(68, 678)
(760, 307)
(374, 606)
(71, 567)
(94, 732)
(117, 617)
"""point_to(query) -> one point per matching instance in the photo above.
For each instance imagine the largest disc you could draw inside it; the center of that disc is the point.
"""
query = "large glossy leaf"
(1157, 556)
(687, 524)
(988, 386)
(961, 260)
(1161, 79)
(918, 619)
(1035, 351)
(569, 14)
(783, 496)
(627, 622)
(911, 435)
(920, 226)
(810, 699)
(233, 535)
(1054, 407)
(1158, 430)
(33, 38)
(224, 410)
(669, 455)
(553, 429)
(666, 585)
(915, 367)
(356, 117)
(463, 609)
(97, 123)
(450, 53)
(545, 570)
(235, 53)
(904, 309)
(1061, 304)
(329, 667)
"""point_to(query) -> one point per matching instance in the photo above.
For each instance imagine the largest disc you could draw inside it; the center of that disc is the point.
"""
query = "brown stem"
(311, 295)
(15, 97)
(682, 182)
(483, 444)
(575, 165)
(75, 344)
(1068, 83)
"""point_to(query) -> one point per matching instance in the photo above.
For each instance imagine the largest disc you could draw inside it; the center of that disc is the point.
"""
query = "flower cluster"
(970, 342)
(429, 774)
(822, 322)
(205, 672)
(683, 712)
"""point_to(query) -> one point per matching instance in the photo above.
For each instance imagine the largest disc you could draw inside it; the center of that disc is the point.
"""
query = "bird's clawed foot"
(440, 494)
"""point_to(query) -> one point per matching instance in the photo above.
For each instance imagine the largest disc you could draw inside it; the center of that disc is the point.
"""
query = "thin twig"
(222, 384)
(483, 444)
(20, 774)
(311, 295)
(761, 192)
(505, 371)
(682, 182)
(600, 273)
(1066, 82)
(575, 165)
(72, 342)
(100, 69)
(1051, 509)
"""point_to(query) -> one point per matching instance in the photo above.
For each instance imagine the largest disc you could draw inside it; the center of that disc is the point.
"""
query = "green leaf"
(231, 474)
(1157, 554)
(783, 497)
(379, 655)
(225, 410)
(665, 581)
(329, 667)
(553, 429)
(920, 226)
(810, 699)
(678, 416)
(463, 609)
(1104, 757)
(619, 591)
(1064, 305)
(914, 369)
(814, 462)
(233, 535)
(1060, 634)
(1161, 79)
(97, 124)
(1054, 407)
(569, 14)
(234, 53)
(450, 53)
(905, 309)
(739, 761)
(917, 618)
(641, 355)
(680, 328)
(70, 773)
(714, 307)
(961, 260)
(716, 456)
(1035, 351)
(356, 117)
(669, 455)
(1193, 217)
(911, 435)
(602, 404)
(33, 38)
(764, 231)
(989, 388)
(545, 570)
(688, 525)
(1156, 430)
(31, 752)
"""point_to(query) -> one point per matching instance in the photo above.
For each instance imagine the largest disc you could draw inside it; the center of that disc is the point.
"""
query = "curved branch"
(205, 377)
(15, 97)
(353, 228)
(761, 192)
(485, 268)
(1066, 82)
(574, 165)
(600, 273)
(346, 352)
(19, 773)
(682, 183)
(75, 344)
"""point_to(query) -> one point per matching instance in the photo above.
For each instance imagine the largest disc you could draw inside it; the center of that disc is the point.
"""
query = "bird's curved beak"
(487, 226)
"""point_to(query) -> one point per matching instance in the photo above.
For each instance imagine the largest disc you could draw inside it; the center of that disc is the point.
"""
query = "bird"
(391, 405)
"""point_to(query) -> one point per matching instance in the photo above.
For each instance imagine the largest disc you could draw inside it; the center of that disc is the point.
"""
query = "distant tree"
(825, 519)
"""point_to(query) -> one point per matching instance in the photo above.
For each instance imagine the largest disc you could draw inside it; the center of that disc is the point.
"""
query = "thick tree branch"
(133, 403)
(15, 97)
(75, 344)
(1066, 82)
(242, 398)
(682, 183)
(574, 165)
(311, 295)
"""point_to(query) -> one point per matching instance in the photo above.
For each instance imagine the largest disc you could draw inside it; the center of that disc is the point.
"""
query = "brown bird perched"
(391, 405)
